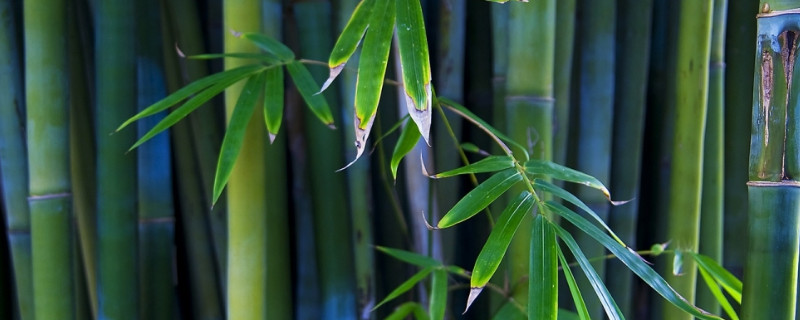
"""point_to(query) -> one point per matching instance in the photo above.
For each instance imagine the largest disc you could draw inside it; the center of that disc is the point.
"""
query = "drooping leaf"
(438, 300)
(408, 139)
(227, 76)
(270, 45)
(273, 101)
(307, 87)
(488, 164)
(405, 286)
(543, 274)
(480, 197)
(574, 290)
(234, 136)
(406, 309)
(612, 310)
(727, 280)
(634, 262)
(415, 63)
(349, 38)
(371, 71)
(191, 104)
(559, 172)
(410, 257)
(496, 135)
(713, 286)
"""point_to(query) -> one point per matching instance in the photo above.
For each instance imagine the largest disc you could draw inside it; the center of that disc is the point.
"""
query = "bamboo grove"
(394, 159)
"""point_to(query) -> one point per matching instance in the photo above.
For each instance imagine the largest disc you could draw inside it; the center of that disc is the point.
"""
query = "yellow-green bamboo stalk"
(47, 128)
(691, 96)
(13, 159)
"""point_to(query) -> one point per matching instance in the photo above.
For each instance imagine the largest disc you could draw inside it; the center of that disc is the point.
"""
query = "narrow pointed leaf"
(543, 274)
(438, 300)
(457, 271)
(498, 136)
(496, 245)
(727, 280)
(192, 104)
(559, 172)
(308, 88)
(408, 139)
(268, 44)
(574, 290)
(713, 286)
(406, 309)
(193, 88)
(273, 101)
(349, 38)
(410, 257)
(234, 136)
(488, 164)
(268, 59)
(634, 262)
(600, 289)
(415, 63)
(406, 285)
(480, 197)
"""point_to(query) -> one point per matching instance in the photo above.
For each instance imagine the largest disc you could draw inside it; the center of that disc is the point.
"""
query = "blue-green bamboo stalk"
(562, 77)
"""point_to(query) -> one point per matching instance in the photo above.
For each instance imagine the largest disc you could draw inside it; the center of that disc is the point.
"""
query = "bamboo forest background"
(97, 231)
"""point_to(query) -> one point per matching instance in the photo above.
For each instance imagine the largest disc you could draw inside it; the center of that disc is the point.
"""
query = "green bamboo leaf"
(268, 44)
(574, 290)
(713, 286)
(268, 59)
(496, 245)
(488, 164)
(193, 88)
(192, 104)
(410, 257)
(471, 147)
(408, 139)
(727, 280)
(559, 172)
(569, 197)
(415, 64)
(404, 310)
(405, 286)
(480, 197)
(307, 87)
(634, 262)
(543, 274)
(350, 37)
(234, 136)
(371, 70)
(273, 101)
(496, 135)
(457, 271)
(606, 300)
(438, 300)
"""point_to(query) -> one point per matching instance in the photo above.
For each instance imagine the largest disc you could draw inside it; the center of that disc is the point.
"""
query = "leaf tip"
(421, 117)
(235, 33)
(425, 220)
(271, 137)
(473, 294)
(179, 52)
(331, 126)
(334, 72)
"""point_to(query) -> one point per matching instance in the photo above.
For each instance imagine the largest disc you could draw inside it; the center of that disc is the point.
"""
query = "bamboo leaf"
(404, 310)
(270, 45)
(438, 302)
(273, 101)
(307, 87)
(268, 59)
(543, 281)
(408, 139)
(234, 136)
(457, 271)
(715, 290)
(498, 136)
(415, 63)
(574, 290)
(410, 257)
(190, 105)
(606, 300)
(350, 37)
(634, 262)
(488, 164)
(480, 197)
(193, 88)
(371, 71)
(559, 172)
(405, 286)
(727, 280)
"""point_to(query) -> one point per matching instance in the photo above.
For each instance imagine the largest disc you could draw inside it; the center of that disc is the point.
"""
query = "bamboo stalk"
(46, 95)
(633, 43)
(694, 32)
(13, 160)
(562, 77)
(770, 278)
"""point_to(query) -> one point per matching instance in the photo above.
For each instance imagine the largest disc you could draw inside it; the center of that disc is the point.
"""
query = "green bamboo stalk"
(711, 220)
(562, 77)
(633, 44)
(117, 267)
(770, 277)
(46, 95)
(332, 225)
(529, 107)
(691, 97)
(156, 222)
(13, 159)
(594, 120)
